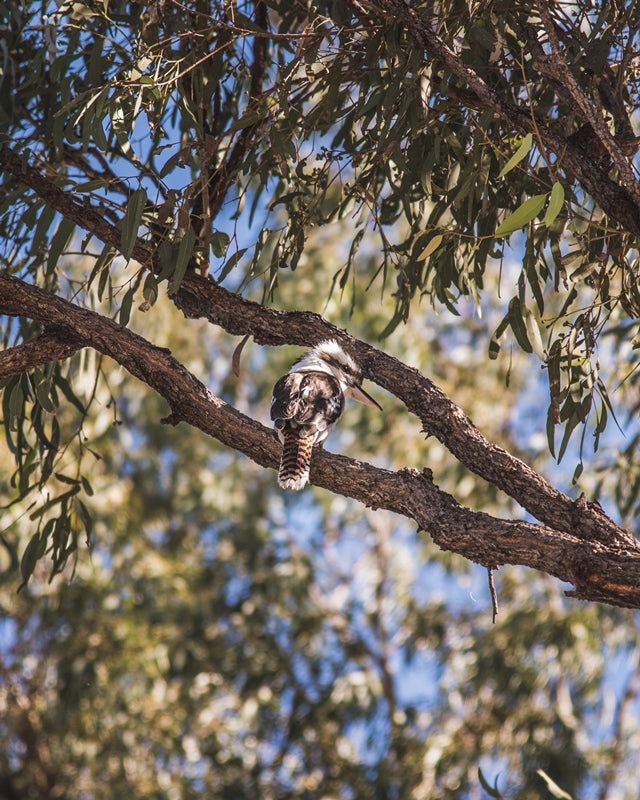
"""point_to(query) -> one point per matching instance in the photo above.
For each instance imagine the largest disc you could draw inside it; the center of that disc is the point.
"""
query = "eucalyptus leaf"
(516, 158)
(131, 221)
(556, 201)
(522, 216)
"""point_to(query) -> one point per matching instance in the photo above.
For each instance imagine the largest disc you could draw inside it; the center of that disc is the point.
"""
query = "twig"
(494, 596)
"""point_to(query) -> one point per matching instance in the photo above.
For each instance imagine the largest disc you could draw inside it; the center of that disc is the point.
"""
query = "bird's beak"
(362, 397)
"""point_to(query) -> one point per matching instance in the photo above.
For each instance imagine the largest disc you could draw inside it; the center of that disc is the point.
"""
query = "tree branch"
(440, 417)
(199, 297)
(590, 114)
(225, 173)
(53, 344)
(608, 572)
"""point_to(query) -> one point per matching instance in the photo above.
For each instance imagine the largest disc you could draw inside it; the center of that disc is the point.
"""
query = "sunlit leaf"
(517, 157)
(432, 245)
(556, 201)
(522, 216)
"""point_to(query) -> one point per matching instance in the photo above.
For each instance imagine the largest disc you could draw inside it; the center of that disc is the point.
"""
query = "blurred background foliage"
(184, 629)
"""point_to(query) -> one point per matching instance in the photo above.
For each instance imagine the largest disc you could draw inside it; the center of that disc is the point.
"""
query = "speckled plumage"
(306, 404)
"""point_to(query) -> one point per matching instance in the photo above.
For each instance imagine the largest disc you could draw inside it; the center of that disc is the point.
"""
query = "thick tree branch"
(440, 417)
(53, 344)
(599, 571)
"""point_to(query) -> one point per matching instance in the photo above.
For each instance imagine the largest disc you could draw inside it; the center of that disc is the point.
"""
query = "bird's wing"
(286, 397)
(308, 401)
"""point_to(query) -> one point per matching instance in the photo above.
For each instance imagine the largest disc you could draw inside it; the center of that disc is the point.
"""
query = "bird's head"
(329, 357)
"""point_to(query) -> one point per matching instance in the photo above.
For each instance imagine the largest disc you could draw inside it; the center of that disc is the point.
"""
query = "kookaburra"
(308, 401)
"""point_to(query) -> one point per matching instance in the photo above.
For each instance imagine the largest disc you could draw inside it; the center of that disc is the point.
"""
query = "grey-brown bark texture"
(577, 542)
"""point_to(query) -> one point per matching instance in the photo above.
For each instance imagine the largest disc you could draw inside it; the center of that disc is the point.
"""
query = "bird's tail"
(296, 461)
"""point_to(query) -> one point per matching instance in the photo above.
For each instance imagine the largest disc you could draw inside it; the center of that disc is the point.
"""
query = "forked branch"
(606, 569)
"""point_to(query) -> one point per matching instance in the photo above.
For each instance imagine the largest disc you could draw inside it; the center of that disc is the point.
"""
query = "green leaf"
(247, 119)
(518, 325)
(47, 464)
(66, 479)
(517, 157)
(533, 333)
(177, 160)
(230, 263)
(219, 243)
(86, 519)
(150, 290)
(553, 365)
(42, 390)
(556, 201)
(185, 251)
(125, 307)
(551, 430)
(494, 344)
(59, 242)
(45, 218)
(570, 426)
(30, 557)
(577, 472)
(393, 323)
(103, 262)
(68, 392)
(16, 401)
(431, 247)
(131, 221)
(522, 216)
(585, 270)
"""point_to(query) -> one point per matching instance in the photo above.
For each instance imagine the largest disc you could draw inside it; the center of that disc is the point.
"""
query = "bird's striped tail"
(296, 461)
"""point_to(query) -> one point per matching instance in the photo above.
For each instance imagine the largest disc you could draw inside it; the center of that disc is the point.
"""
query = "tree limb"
(591, 114)
(604, 571)
(440, 417)
(53, 344)
(199, 297)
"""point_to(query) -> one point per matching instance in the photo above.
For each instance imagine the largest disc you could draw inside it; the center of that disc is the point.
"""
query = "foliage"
(457, 179)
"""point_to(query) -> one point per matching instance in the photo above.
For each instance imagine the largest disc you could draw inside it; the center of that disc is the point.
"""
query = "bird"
(308, 401)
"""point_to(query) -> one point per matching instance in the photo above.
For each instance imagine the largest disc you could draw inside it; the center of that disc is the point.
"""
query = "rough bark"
(604, 566)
